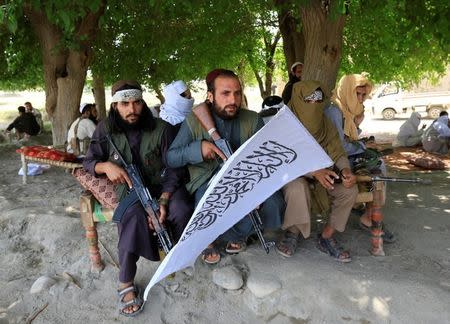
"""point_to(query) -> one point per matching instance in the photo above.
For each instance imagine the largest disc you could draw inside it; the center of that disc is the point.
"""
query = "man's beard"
(93, 119)
(221, 112)
(126, 126)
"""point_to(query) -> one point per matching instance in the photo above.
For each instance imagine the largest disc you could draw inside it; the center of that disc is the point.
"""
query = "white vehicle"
(390, 100)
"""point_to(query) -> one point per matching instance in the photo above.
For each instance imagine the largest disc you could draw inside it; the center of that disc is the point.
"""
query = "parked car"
(390, 100)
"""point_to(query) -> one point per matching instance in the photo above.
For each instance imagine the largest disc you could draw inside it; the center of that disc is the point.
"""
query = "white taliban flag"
(280, 152)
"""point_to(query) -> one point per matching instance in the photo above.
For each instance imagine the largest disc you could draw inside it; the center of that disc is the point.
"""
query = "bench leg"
(377, 222)
(86, 210)
(24, 168)
(94, 252)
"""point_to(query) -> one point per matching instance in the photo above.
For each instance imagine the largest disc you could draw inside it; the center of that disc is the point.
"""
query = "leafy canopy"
(397, 39)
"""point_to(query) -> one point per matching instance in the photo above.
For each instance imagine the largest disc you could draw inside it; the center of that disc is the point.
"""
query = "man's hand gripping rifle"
(150, 204)
(205, 118)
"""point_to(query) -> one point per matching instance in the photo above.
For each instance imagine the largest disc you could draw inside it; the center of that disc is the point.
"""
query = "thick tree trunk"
(98, 90)
(293, 39)
(70, 89)
(323, 38)
(64, 70)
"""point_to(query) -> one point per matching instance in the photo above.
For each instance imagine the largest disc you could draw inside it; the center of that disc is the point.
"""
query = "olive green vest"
(202, 172)
(150, 154)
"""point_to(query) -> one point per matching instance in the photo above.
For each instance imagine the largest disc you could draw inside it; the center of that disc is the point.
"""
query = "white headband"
(277, 106)
(127, 95)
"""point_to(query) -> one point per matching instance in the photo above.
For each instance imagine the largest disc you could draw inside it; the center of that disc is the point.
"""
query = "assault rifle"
(368, 178)
(204, 117)
(150, 204)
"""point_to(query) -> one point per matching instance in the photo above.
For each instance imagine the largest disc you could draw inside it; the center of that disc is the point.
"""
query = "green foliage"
(397, 40)
(20, 59)
(9, 13)
(157, 41)
(170, 40)
(21, 64)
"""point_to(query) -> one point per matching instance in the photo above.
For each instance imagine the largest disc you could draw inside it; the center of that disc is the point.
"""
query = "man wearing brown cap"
(143, 141)
(192, 147)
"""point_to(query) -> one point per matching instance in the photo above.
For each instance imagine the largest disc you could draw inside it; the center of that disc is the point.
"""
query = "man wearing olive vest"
(193, 147)
(143, 141)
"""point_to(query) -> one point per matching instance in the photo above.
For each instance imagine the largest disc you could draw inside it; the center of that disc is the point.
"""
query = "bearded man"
(143, 141)
(192, 148)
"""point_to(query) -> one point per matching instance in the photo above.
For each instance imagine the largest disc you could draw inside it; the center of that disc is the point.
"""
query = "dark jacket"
(287, 92)
(25, 123)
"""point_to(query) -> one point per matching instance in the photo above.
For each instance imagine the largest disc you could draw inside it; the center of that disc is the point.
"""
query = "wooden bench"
(92, 212)
(26, 159)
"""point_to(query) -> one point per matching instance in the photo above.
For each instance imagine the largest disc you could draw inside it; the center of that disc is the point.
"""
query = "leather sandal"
(136, 301)
(287, 245)
(208, 255)
(332, 248)
(239, 246)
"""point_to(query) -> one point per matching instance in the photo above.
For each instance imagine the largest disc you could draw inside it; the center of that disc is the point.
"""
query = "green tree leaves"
(397, 40)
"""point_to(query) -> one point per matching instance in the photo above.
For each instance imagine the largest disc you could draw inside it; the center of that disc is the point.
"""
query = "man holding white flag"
(280, 152)
(192, 147)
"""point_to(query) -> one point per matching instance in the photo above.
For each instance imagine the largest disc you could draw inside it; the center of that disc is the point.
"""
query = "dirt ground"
(41, 235)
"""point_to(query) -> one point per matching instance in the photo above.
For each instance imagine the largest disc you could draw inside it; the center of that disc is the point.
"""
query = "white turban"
(82, 106)
(175, 109)
(294, 65)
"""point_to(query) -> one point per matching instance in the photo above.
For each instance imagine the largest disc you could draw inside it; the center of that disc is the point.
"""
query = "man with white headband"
(143, 141)
(295, 75)
(178, 103)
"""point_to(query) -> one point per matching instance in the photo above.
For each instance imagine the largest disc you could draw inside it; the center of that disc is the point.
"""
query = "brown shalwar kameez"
(297, 192)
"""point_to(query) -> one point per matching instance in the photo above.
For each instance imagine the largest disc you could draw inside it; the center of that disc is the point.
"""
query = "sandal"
(208, 255)
(287, 245)
(387, 235)
(234, 247)
(136, 301)
(331, 247)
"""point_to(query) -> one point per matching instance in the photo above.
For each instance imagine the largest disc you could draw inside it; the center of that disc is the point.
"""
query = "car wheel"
(388, 114)
(434, 112)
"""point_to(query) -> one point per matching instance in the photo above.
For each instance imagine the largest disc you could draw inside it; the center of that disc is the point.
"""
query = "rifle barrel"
(362, 178)
(150, 206)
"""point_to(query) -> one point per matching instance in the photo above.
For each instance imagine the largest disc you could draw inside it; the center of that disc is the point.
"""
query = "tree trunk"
(323, 38)
(293, 39)
(64, 69)
(70, 89)
(98, 90)
(159, 95)
(241, 73)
